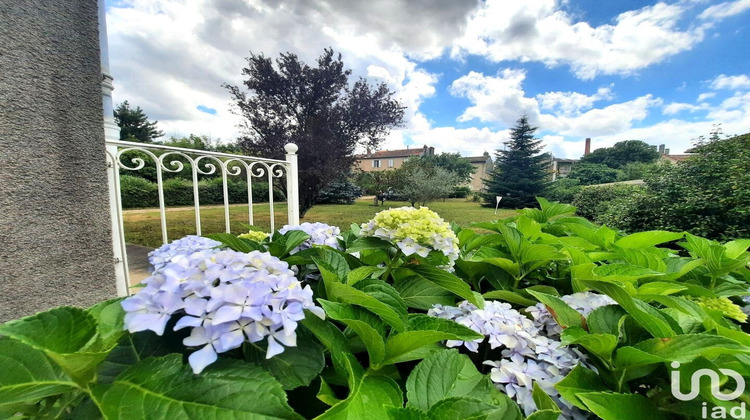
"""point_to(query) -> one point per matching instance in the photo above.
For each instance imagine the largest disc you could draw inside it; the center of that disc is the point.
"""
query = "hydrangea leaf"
(547, 414)
(331, 337)
(361, 273)
(407, 413)
(443, 279)
(67, 335)
(508, 296)
(28, 375)
(442, 374)
(109, 317)
(651, 319)
(460, 408)
(648, 239)
(614, 406)
(606, 320)
(560, 311)
(234, 243)
(424, 330)
(602, 345)
(296, 366)
(419, 293)
(165, 388)
(363, 323)
(580, 380)
(369, 242)
(681, 348)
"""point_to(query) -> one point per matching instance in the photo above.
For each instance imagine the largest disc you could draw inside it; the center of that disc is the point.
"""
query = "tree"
(420, 186)
(316, 108)
(593, 173)
(622, 153)
(134, 124)
(521, 171)
(451, 162)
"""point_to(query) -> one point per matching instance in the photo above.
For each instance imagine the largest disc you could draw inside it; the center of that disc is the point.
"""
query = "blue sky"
(663, 72)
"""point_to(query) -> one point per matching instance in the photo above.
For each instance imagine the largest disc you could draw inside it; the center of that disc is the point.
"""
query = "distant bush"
(138, 192)
(563, 190)
(340, 192)
(460, 192)
(593, 202)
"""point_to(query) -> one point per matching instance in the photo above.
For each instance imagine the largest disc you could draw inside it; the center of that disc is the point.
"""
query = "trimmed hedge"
(138, 192)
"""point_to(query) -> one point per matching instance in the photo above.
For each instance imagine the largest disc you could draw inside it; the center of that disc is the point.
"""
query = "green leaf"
(28, 375)
(368, 242)
(442, 374)
(660, 288)
(736, 248)
(542, 400)
(560, 311)
(331, 337)
(544, 415)
(369, 396)
(508, 296)
(443, 279)
(407, 413)
(539, 252)
(651, 319)
(681, 348)
(613, 406)
(334, 260)
(361, 273)
(67, 335)
(392, 315)
(367, 326)
(509, 266)
(109, 317)
(422, 294)
(296, 366)
(605, 320)
(648, 239)
(624, 272)
(165, 388)
(579, 381)
(425, 330)
(234, 243)
(460, 408)
(602, 345)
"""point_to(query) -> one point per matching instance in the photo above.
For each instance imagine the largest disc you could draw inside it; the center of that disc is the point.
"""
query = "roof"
(676, 158)
(393, 153)
(478, 159)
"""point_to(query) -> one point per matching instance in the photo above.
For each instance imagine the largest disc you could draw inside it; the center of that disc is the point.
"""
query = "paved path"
(138, 262)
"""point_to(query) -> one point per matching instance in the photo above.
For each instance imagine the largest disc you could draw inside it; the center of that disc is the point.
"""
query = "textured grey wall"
(55, 239)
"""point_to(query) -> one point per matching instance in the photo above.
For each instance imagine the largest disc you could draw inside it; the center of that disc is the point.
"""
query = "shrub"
(137, 192)
(592, 202)
(563, 190)
(593, 173)
(459, 192)
(339, 192)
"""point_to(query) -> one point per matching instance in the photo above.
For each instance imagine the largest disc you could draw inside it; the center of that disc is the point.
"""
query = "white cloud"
(495, 99)
(677, 107)
(706, 95)
(541, 31)
(572, 103)
(726, 9)
(731, 82)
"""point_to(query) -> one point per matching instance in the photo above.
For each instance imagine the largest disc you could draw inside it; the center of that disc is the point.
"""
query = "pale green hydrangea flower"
(414, 231)
(254, 235)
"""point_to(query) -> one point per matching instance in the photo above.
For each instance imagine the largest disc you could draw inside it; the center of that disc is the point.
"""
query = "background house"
(390, 159)
(483, 165)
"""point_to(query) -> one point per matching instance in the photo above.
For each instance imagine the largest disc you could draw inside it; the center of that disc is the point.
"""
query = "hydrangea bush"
(542, 314)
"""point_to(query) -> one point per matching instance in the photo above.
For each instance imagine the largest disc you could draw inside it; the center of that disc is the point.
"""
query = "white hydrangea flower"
(225, 297)
(528, 355)
(160, 257)
(320, 234)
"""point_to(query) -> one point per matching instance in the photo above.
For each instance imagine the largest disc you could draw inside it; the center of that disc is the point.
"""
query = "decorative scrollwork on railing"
(175, 160)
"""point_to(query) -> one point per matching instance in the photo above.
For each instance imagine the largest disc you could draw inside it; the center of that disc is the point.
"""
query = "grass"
(142, 227)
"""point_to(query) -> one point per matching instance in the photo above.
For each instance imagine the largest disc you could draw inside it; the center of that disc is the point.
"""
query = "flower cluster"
(723, 305)
(160, 257)
(320, 234)
(414, 231)
(225, 297)
(254, 235)
(583, 302)
(528, 355)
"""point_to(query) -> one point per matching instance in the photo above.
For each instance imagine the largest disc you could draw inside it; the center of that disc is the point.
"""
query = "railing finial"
(291, 148)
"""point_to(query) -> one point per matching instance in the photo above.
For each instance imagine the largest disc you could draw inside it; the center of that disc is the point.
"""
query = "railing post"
(292, 184)
(112, 132)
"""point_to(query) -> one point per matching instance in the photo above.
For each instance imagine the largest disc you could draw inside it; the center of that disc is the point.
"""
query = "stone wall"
(55, 239)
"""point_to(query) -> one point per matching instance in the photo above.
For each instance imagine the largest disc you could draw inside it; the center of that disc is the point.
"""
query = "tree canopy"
(316, 108)
(134, 124)
(593, 173)
(451, 162)
(622, 153)
(521, 170)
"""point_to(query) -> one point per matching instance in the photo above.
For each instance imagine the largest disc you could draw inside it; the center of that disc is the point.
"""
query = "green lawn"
(142, 226)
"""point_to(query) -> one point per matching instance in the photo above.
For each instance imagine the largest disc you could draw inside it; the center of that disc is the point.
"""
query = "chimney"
(661, 149)
(432, 151)
(587, 150)
(666, 152)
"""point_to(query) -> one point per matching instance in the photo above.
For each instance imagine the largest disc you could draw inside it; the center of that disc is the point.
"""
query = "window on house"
(376, 163)
(390, 163)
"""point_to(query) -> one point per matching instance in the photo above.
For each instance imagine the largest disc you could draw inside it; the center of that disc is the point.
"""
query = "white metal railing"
(201, 163)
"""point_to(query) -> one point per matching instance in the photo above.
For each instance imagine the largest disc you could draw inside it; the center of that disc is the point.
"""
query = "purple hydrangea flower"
(320, 234)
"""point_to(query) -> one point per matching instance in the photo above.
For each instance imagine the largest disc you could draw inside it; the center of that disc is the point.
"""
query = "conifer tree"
(134, 124)
(521, 170)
